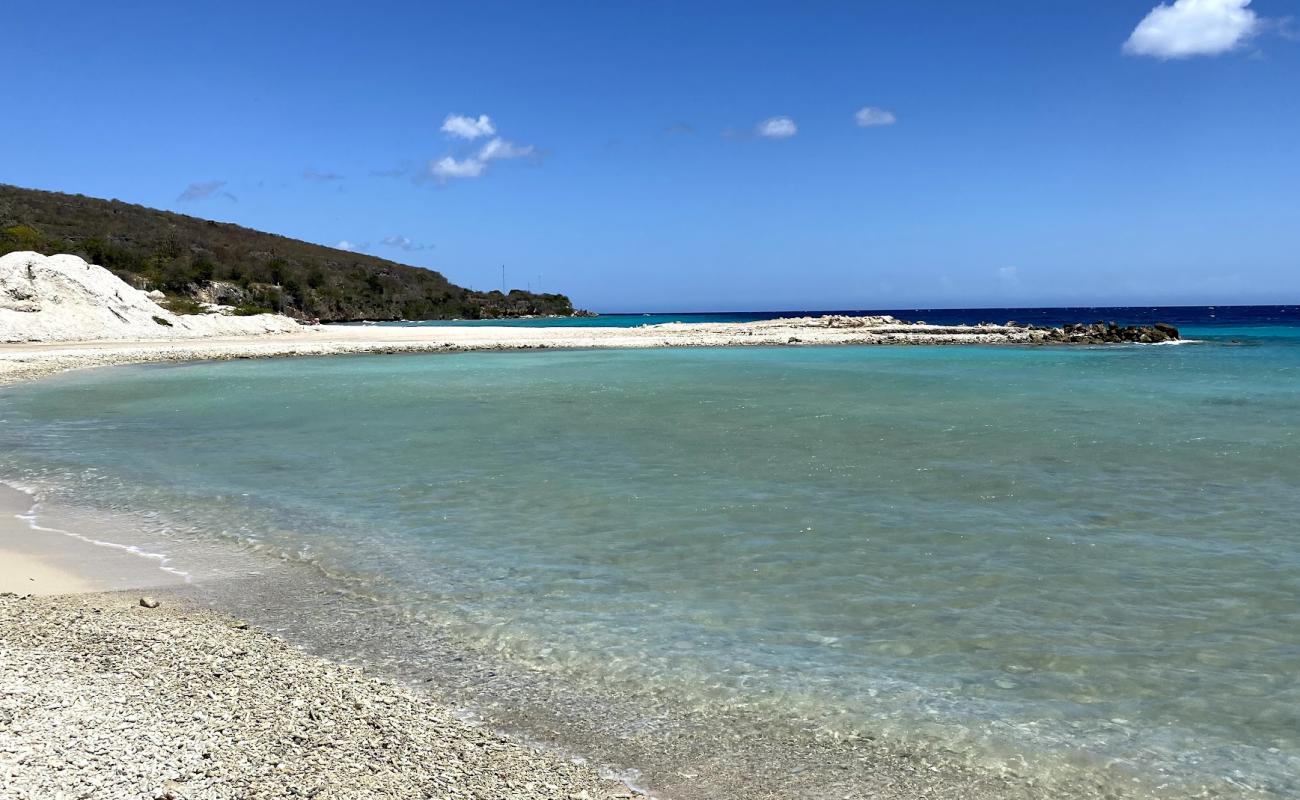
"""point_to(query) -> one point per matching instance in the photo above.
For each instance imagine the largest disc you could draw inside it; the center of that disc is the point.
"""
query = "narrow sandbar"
(22, 361)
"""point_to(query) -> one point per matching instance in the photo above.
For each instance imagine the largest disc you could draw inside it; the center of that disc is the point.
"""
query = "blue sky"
(1023, 153)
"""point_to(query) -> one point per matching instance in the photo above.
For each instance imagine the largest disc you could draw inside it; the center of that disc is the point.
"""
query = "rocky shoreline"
(103, 697)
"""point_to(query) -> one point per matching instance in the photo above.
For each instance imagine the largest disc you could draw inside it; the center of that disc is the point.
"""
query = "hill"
(197, 260)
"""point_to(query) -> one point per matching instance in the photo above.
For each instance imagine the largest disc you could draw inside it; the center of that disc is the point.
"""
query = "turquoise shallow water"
(1078, 551)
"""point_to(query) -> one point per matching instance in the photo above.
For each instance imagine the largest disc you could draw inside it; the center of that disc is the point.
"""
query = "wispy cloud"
(402, 243)
(352, 247)
(204, 190)
(401, 170)
(500, 148)
(872, 117)
(776, 128)
(1193, 28)
(680, 129)
(317, 175)
(463, 127)
(476, 163)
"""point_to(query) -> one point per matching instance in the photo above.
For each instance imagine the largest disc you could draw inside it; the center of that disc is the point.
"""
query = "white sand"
(22, 574)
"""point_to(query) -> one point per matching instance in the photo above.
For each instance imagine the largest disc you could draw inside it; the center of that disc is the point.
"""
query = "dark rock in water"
(1111, 333)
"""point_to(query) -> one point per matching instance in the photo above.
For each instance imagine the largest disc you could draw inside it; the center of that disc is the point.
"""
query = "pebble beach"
(103, 697)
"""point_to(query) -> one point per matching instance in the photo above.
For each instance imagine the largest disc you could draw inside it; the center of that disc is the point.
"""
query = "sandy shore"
(24, 361)
(21, 573)
(41, 561)
(30, 564)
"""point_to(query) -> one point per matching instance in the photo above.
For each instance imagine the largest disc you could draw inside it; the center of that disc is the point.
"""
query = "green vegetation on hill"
(194, 259)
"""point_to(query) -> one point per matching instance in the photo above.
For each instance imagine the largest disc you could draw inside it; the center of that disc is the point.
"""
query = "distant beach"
(63, 313)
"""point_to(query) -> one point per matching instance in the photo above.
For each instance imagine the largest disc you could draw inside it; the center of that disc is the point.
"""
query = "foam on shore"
(40, 560)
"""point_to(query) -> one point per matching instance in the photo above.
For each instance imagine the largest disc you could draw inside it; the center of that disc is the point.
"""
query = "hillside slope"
(193, 259)
(63, 299)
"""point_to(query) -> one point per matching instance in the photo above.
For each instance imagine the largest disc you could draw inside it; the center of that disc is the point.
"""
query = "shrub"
(183, 305)
(21, 237)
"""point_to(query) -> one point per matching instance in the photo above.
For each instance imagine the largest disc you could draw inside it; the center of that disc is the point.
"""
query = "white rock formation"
(62, 298)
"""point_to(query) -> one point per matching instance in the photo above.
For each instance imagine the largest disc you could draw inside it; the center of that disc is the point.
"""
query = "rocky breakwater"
(885, 329)
(1111, 333)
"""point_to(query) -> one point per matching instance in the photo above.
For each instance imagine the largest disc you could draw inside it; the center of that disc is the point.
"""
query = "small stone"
(148, 602)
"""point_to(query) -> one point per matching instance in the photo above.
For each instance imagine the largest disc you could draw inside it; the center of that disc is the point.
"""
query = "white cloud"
(468, 127)
(351, 247)
(448, 167)
(1193, 28)
(1009, 275)
(870, 117)
(473, 166)
(777, 128)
